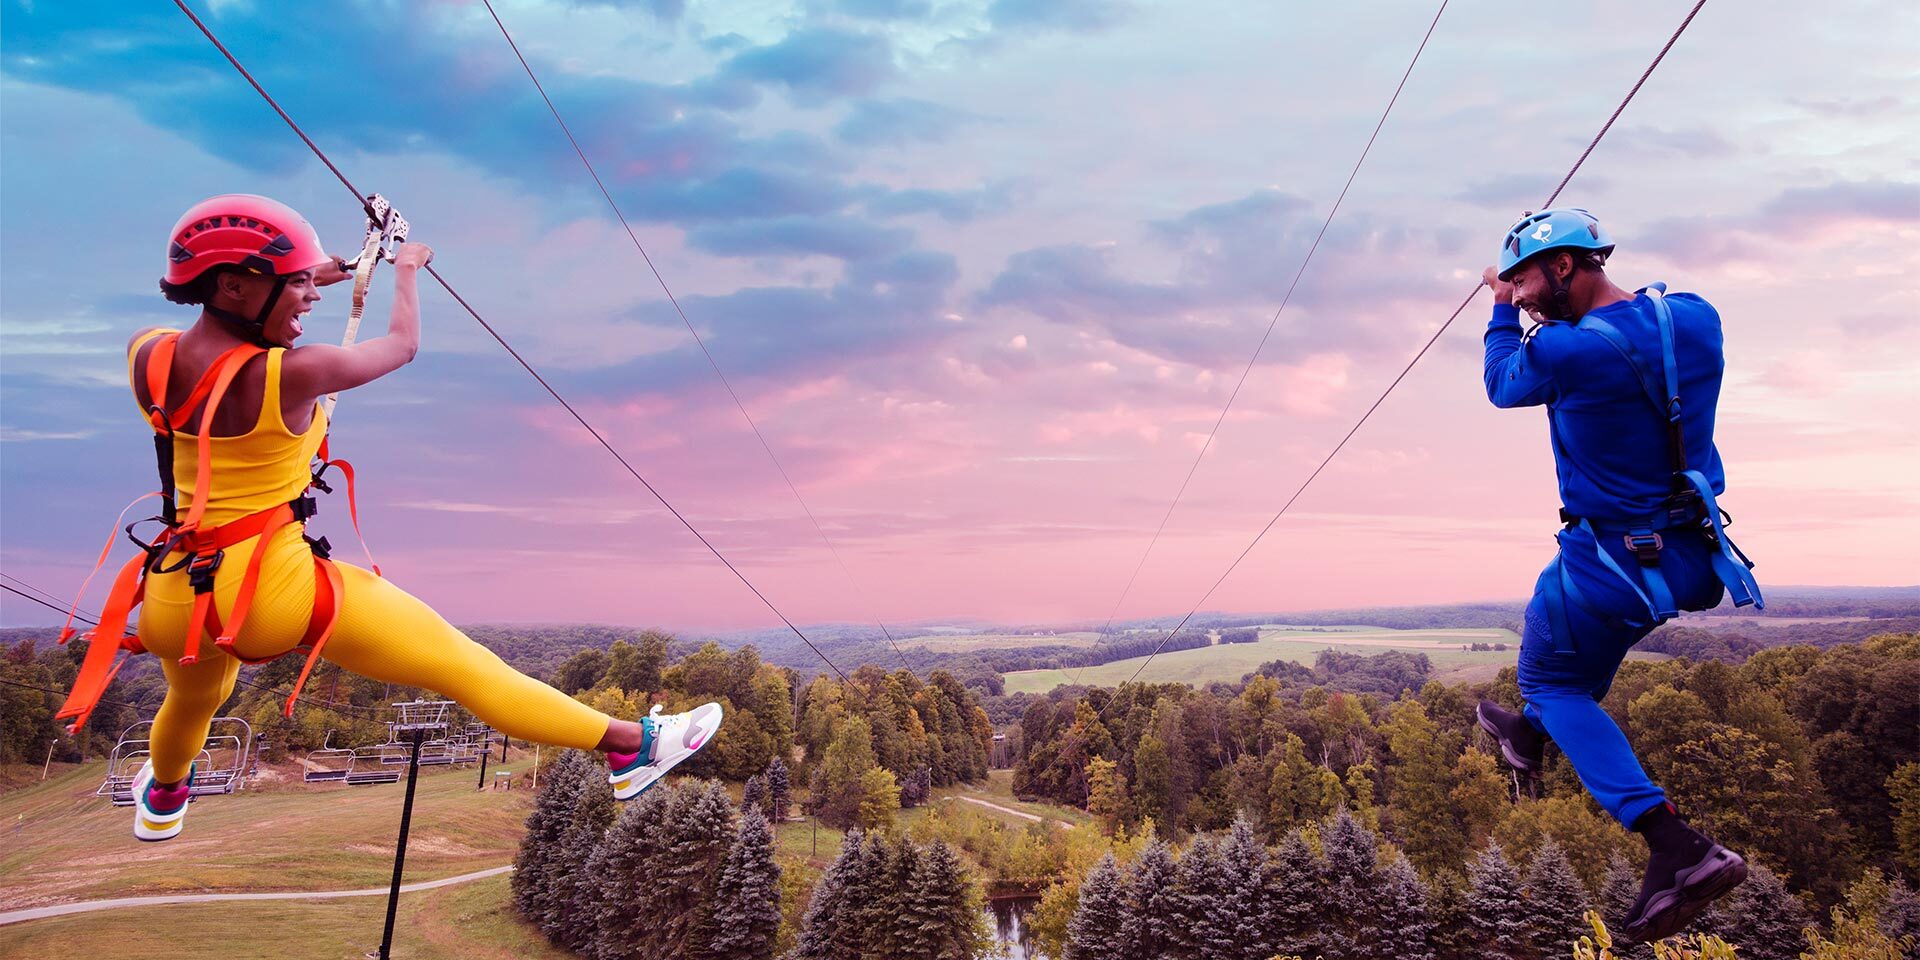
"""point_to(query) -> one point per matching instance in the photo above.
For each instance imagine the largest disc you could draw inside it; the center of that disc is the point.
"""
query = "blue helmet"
(1565, 228)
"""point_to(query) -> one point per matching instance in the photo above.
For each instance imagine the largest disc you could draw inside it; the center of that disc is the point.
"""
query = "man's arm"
(1516, 375)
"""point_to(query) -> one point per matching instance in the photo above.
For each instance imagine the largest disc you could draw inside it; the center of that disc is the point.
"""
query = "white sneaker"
(675, 737)
(148, 824)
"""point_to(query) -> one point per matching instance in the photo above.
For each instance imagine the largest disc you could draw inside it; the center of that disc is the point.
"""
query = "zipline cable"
(435, 274)
(1423, 350)
(715, 364)
(1271, 324)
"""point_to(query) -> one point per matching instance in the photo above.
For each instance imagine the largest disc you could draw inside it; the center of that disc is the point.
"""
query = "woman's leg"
(194, 695)
(387, 634)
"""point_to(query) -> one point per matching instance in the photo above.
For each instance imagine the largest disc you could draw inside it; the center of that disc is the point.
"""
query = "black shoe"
(1686, 873)
(1524, 747)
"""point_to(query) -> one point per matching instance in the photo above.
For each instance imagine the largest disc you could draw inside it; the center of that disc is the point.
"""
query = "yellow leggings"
(383, 633)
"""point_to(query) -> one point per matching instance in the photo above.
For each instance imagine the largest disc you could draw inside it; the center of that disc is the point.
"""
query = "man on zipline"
(1630, 382)
(238, 422)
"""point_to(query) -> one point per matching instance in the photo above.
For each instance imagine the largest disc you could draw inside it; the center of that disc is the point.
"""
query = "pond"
(1008, 918)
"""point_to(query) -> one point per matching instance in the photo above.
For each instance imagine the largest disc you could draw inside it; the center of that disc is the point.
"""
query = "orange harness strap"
(204, 548)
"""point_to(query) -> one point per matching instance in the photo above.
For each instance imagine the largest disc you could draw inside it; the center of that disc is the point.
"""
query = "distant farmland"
(1230, 662)
(963, 642)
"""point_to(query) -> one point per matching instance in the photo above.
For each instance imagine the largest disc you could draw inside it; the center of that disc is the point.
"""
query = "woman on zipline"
(1630, 381)
(238, 419)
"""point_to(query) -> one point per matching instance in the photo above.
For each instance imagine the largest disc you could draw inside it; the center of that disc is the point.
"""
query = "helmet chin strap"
(254, 329)
(1561, 309)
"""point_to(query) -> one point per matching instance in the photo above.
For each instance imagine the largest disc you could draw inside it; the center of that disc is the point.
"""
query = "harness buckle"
(202, 567)
(304, 507)
(1568, 519)
(320, 547)
(1645, 547)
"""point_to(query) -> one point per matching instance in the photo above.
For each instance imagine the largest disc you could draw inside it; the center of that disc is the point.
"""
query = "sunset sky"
(985, 272)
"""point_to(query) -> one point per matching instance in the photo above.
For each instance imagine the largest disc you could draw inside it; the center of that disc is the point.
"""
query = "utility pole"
(484, 754)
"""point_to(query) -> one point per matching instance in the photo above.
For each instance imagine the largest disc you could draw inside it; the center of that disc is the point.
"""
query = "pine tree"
(573, 896)
(1200, 890)
(1293, 896)
(779, 790)
(552, 808)
(1098, 922)
(1349, 884)
(1404, 919)
(1556, 902)
(746, 911)
(940, 908)
(832, 905)
(1762, 917)
(663, 854)
(1617, 894)
(1149, 929)
(754, 794)
(1494, 909)
(1244, 907)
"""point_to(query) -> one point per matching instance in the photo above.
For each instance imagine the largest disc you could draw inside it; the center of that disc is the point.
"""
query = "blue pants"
(1564, 690)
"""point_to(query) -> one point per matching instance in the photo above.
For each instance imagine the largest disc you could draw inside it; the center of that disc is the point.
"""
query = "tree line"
(1805, 760)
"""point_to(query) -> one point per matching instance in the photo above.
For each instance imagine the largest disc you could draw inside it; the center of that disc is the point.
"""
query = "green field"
(963, 642)
(1230, 662)
(66, 845)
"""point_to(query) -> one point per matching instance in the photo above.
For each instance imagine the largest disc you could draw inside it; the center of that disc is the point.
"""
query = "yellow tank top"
(258, 470)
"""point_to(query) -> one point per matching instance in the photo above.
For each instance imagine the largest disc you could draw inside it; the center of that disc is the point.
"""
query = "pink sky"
(989, 410)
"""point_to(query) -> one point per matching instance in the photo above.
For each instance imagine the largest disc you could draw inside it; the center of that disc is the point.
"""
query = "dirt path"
(959, 797)
(87, 906)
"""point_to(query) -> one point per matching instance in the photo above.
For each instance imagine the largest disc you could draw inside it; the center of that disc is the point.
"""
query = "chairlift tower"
(413, 720)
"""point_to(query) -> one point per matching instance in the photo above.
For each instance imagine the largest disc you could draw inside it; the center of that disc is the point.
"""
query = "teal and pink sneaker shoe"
(159, 814)
(665, 741)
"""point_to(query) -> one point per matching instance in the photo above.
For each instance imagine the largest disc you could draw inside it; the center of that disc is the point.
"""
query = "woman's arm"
(315, 370)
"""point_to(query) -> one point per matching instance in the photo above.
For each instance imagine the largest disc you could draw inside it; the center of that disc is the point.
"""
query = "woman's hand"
(412, 256)
(332, 272)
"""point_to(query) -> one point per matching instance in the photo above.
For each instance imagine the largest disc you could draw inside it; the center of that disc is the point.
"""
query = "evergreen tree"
(754, 794)
(1403, 919)
(1348, 882)
(1200, 888)
(831, 909)
(939, 910)
(1556, 902)
(552, 808)
(1096, 929)
(779, 790)
(658, 866)
(1293, 896)
(1617, 893)
(1244, 907)
(573, 895)
(1420, 786)
(1149, 931)
(1494, 910)
(746, 910)
(1762, 917)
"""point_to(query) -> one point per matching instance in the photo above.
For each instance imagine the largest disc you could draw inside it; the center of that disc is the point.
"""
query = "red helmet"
(256, 233)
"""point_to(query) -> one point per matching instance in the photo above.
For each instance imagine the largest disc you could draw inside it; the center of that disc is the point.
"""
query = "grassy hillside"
(1230, 662)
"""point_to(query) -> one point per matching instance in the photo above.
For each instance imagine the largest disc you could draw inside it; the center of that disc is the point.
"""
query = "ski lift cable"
(1423, 349)
(590, 428)
(1271, 324)
(697, 339)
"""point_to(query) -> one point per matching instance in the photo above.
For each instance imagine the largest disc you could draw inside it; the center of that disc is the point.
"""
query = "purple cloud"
(834, 236)
(818, 64)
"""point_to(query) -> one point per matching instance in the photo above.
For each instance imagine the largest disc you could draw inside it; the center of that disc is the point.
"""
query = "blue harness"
(1692, 505)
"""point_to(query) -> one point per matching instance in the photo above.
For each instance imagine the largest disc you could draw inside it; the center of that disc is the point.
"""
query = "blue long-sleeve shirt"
(1610, 445)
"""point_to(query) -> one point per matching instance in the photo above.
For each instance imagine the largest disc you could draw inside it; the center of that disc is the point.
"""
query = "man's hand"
(1502, 291)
